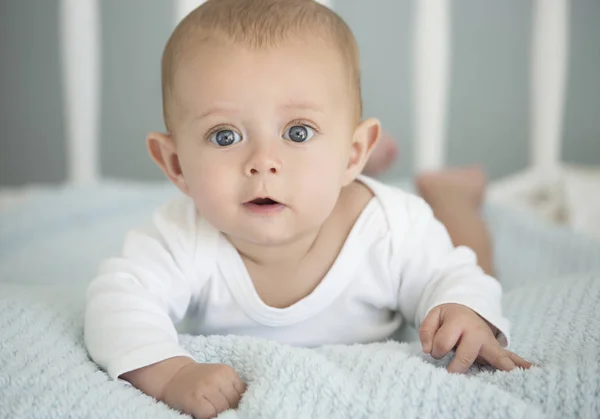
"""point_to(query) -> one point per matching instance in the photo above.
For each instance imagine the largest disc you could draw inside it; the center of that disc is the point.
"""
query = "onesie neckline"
(333, 283)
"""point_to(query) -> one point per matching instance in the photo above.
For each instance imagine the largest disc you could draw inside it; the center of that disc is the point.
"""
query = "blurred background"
(455, 82)
(488, 119)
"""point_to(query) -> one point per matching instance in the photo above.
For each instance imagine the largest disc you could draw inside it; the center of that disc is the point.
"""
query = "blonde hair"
(258, 24)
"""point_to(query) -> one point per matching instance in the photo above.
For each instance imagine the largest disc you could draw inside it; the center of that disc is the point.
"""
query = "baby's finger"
(497, 357)
(232, 395)
(428, 329)
(465, 355)
(239, 385)
(520, 362)
(203, 408)
(218, 400)
(445, 339)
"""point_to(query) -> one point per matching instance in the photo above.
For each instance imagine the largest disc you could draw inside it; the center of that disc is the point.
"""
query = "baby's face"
(264, 137)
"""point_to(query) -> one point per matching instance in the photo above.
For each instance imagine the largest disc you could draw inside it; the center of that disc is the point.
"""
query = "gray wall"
(582, 116)
(31, 125)
(488, 118)
(131, 105)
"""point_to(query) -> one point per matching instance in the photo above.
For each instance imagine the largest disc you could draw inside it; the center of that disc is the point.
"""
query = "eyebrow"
(216, 110)
(303, 105)
(294, 105)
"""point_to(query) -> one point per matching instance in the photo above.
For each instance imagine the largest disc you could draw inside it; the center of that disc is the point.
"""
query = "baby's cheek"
(204, 183)
(320, 189)
(213, 201)
(329, 171)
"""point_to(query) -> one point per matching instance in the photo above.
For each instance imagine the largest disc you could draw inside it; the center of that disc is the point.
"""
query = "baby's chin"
(268, 227)
(274, 236)
(265, 238)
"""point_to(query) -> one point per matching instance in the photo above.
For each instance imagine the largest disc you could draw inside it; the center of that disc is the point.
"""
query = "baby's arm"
(153, 379)
(448, 296)
(135, 299)
(202, 390)
(132, 306)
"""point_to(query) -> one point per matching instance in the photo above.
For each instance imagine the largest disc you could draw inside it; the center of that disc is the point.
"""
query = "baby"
(277, 234)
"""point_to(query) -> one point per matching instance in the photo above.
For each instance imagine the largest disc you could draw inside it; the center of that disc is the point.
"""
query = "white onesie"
(397, 264)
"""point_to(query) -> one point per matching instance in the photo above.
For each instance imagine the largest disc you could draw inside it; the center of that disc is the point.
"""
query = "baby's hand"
(204, 390)
(454, 326)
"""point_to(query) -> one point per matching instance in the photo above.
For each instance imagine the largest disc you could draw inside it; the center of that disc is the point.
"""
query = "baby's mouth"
(264, 206)
(263, 201)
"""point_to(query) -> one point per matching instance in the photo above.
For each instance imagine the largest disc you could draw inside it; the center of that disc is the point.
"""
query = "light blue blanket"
(49, 249)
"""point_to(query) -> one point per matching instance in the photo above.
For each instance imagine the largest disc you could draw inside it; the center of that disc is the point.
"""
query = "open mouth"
(264, 206)
(263, 201)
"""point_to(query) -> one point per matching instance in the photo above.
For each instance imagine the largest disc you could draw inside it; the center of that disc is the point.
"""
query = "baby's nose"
(263, 162)
(254, 171)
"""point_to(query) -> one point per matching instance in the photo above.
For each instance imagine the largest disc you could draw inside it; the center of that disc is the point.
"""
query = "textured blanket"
(45, 371)
(553, 301)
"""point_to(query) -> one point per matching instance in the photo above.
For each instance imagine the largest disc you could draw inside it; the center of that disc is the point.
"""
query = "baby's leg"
(456, 196)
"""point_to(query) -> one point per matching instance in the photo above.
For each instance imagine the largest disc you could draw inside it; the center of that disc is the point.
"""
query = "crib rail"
(432, 50)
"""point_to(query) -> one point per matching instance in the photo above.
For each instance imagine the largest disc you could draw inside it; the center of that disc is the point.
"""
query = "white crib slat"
(80, 51)
(328, 3)
(548, 82)
(184, 7)
(431, 55)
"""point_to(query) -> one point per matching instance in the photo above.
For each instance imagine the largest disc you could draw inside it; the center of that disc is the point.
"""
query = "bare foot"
(383, 155)
(466, 184)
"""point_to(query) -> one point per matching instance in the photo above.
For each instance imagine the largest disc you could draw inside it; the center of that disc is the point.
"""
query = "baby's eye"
(299, 133)
(225, 138)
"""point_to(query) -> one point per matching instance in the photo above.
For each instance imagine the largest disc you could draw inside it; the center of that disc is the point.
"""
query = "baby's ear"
(364, 139)
(164, 153)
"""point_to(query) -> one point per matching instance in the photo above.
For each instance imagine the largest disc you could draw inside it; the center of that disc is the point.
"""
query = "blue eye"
(225, 138)
(299, 133)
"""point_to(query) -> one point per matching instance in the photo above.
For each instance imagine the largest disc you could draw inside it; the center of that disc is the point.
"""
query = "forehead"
(304, 70)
